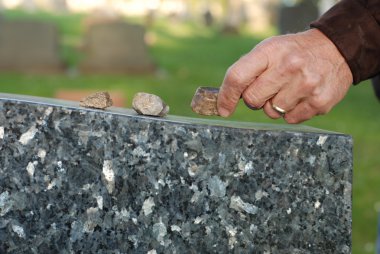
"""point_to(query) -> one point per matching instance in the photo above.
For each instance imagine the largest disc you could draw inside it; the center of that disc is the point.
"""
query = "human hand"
(304, 74)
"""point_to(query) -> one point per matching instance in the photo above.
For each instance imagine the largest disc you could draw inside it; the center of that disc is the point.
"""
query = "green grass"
(189, 55)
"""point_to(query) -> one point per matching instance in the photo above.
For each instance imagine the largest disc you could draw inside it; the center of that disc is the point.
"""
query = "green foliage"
(189, 55)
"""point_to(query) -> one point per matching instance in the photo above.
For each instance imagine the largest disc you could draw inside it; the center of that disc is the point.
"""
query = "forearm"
(353, 26)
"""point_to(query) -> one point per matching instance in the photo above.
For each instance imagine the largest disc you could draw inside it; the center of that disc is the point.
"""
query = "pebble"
(150, 105)
(204, 101)
(99, 100)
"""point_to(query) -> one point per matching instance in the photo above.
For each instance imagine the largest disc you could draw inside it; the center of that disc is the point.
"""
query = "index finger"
(238, 77)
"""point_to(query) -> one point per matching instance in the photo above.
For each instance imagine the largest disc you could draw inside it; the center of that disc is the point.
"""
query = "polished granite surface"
(77, 180)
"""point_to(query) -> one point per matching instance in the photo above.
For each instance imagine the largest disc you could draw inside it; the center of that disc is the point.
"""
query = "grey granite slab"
(77, 180)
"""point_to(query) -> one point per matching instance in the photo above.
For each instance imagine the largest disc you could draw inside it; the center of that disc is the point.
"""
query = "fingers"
(287, 84)
(238, 77)
(287, 98)
(269, 111)
(274, 92)
(262, 89)
(302, 112)
(303, 74)
(282, 95)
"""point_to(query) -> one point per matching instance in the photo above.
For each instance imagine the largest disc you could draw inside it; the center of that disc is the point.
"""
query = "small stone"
(99, 100)
(149, 104)
(204, 101)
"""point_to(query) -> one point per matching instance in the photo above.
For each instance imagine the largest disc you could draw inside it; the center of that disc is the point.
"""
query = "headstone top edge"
(249, 126)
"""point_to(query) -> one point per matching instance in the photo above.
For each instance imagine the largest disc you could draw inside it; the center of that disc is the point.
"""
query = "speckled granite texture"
(76, 180)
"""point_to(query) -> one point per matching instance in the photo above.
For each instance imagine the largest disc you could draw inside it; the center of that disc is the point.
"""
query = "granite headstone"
(29, 46)
(77, 180)
(116, 47)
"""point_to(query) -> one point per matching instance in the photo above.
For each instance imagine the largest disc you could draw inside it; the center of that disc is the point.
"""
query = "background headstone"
(296, 18)
(235, 16)
(59, 6)
(116, 47)
(29, 5)
(29, 46)
(100, 16)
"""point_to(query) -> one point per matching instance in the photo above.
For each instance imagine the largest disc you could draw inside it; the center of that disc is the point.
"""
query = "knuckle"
(311, 82)
(234, 76)
(294, 62)
(320, 103)
(267, 44)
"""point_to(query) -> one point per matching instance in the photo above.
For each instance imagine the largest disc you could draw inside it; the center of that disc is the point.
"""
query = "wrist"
(322, 47)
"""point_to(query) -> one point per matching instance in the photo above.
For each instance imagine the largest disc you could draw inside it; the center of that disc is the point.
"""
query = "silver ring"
(279, 110)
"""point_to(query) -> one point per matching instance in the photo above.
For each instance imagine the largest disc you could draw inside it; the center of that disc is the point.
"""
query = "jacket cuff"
(356, 34)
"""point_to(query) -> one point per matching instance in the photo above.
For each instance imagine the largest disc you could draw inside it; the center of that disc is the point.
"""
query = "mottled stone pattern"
(76, 180)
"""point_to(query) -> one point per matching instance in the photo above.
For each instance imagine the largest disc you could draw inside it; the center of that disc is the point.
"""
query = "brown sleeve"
(353, 26)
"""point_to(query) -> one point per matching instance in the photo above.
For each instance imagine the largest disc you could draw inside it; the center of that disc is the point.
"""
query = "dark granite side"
(74, 180)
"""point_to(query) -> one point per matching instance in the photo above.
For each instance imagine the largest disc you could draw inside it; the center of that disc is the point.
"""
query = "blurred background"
(70, 48)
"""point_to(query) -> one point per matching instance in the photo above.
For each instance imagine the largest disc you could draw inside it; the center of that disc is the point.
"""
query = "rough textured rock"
(99, 100)
(149, 104)
(204, 101)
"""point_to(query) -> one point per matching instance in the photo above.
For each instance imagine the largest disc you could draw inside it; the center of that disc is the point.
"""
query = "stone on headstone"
(79, 180)
(149, 104)
(29, 46)
(77, 95)
(99, 100)
(297, 18)
(116, 47)
(205, 100)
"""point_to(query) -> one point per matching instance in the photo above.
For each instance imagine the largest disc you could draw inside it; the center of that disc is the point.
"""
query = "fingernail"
(223, 112)
(251, 107)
